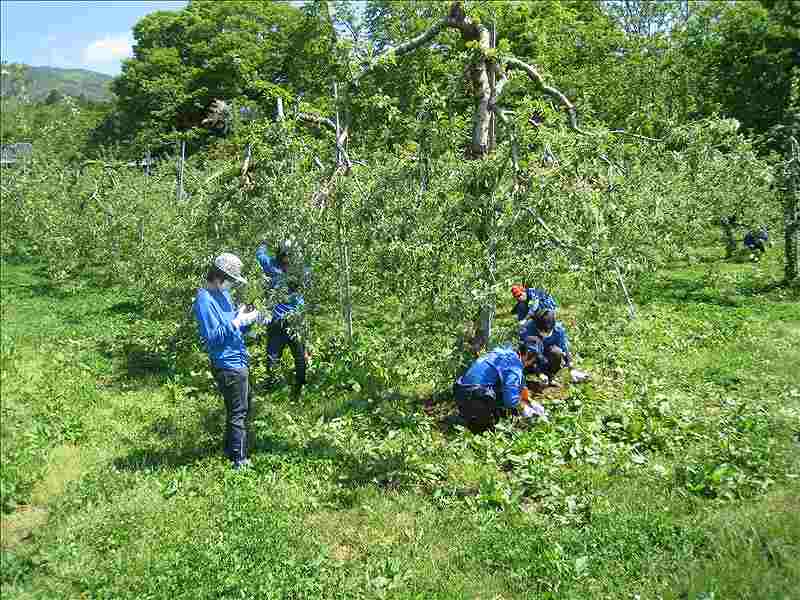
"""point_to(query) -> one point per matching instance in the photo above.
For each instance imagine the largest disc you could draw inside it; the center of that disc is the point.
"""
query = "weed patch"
(647, 480)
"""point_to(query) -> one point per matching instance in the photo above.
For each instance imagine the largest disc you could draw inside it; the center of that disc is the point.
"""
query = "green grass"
(674, 474)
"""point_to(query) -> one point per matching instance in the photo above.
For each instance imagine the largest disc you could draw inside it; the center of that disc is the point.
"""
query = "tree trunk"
(488, 308)
(344, 251)
(792, 236)
(181, 159)
(493, 92)
(483, 92)
(730, 242)
(344, 271)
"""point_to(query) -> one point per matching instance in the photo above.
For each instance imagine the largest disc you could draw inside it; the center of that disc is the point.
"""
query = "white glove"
(529, 411)
(243, 318)
(578, 376)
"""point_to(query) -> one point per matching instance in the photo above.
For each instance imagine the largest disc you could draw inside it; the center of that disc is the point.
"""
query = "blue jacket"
(751, 237)
(535, 299)
(501, 369)
(276, 278)
(215, 311)
(558, 337)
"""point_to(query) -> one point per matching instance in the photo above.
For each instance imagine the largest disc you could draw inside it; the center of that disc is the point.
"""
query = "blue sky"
(83, 34)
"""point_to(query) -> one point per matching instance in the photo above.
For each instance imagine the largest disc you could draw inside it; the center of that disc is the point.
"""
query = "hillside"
(39, 81)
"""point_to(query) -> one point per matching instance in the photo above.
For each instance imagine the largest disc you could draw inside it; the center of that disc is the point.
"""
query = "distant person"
(756, 242)
(285, 277)
(222, 327)
(495, 385)
(729, 224)
(530, 300)
(548, 341)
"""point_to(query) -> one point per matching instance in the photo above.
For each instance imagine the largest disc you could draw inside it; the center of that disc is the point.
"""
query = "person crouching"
(529, 301)
(756, 242)
(495, 385)
(550, 346)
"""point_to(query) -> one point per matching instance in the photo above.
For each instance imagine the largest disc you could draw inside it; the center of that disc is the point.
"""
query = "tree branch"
(404, 48)
(502, 79)
(316, 120)
(635, 135)
(515, 63)
(455, 19)
(553, 235)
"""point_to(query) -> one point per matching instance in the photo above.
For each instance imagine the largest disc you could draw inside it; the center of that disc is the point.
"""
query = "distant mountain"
(39, 81)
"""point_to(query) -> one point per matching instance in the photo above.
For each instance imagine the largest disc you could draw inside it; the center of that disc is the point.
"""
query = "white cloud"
(109, 49)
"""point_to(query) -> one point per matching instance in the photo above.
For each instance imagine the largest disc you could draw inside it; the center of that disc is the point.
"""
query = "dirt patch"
(19, 526)
(342, 552)
(64, 465)
(354, 533)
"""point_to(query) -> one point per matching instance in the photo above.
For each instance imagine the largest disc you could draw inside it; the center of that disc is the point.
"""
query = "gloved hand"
(244, 318)
(534, 409)
(578, 376)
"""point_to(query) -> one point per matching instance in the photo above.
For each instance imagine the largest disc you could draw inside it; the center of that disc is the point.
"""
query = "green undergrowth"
(675, 473)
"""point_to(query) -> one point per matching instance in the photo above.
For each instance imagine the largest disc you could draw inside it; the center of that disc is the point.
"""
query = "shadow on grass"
(681, 291)
(126, 307)
(44, 290)
(759, 288)
(185, 448)
(144, 459)
(136, 362)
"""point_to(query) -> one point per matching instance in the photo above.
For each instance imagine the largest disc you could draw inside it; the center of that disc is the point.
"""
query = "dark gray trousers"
(279, 338)
(234, 385)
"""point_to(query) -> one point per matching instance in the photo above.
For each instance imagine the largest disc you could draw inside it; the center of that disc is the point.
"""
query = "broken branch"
(316, 120)
(512, 62)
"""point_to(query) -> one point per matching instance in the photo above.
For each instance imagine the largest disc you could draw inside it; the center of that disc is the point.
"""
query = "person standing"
(284, 289)
(222, 327)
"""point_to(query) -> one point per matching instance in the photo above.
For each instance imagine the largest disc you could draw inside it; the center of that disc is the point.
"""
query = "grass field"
(674, 474)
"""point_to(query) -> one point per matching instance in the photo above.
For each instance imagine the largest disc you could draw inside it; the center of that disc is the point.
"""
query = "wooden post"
(344, 253)
(631, 307)
(181, 158)
(279, 112)
(791, 210)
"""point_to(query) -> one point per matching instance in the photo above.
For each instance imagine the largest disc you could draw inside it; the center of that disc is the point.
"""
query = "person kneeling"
(548, 339)
(529, 301)
(756, 242)
(495, 385)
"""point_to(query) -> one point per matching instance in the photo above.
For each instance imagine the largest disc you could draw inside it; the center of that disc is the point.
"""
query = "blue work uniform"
(276, 278)
(557, 337)
(756, 240)
(280, 334)
(224, 342)
(215, 312)
(535, 299)
(499, 372)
